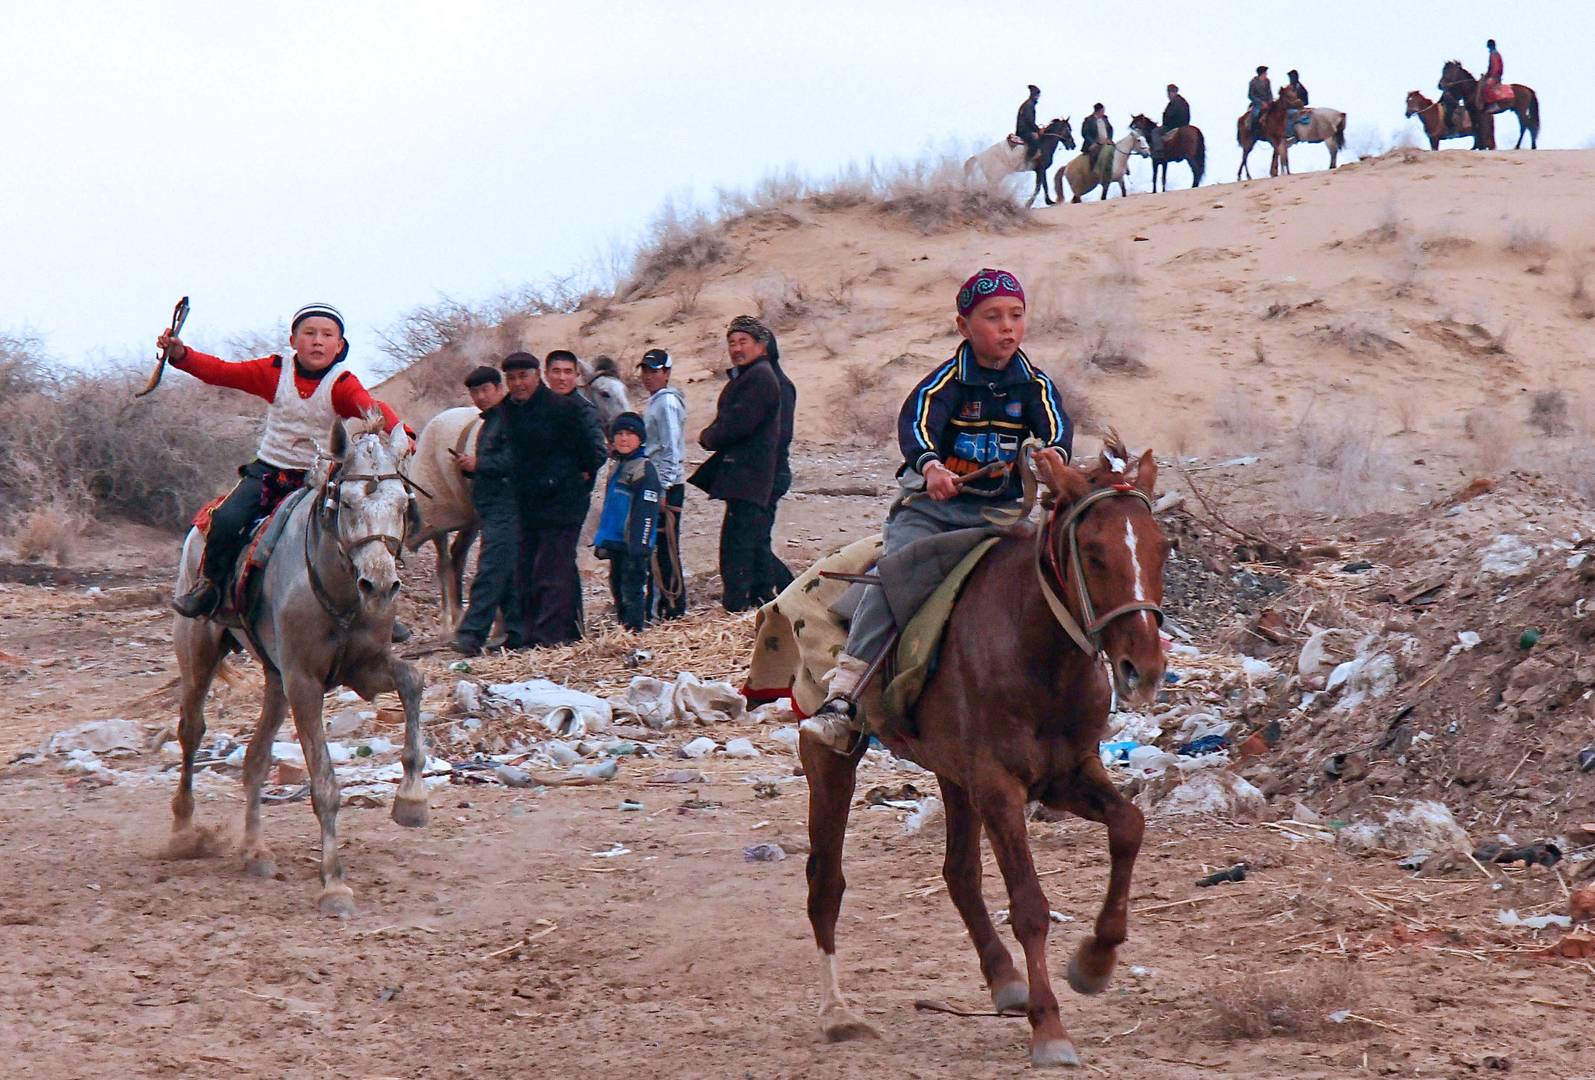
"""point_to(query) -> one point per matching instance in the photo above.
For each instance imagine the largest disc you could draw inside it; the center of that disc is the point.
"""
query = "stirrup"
(834, 726)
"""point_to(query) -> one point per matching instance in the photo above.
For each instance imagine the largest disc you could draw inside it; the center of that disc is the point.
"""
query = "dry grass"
(1295, 1004)
(1531, 241)
(1047, 308)
(782, 303)
(1549, 412)
(859, 405)
(1245, 418)
(1359, 335)
(48, 530)
(1389, 225)
(1578, 291)
(678, 241)
(1407, 276)
(1122, 267)
(684, 296)
(1494, 442)
(839, 296)
(1110, 334)
(1345, 466)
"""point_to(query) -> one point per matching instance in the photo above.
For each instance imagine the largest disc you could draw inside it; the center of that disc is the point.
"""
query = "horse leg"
(199, 654)
(459, 551)
(304, 696)
(1002, 809)
(1091, 795)
(258, 859)
(410, 804)
(962, 872)
(831, 780)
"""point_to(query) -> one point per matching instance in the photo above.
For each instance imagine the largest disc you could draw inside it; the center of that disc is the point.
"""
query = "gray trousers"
(872, 622)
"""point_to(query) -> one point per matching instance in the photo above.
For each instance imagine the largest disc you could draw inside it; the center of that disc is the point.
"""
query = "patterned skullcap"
(986, 284)
(317, 311)
(747, 324)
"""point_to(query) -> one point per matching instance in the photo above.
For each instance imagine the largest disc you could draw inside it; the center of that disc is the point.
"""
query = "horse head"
(1142, 123)
(605, 388)
(1416, 103)
(1455, 78)
(1138, 143)
(1103, 552)
(363, 504)
(1060, 127)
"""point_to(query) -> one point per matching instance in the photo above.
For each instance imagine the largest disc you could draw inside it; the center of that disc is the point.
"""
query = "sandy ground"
(1254, 307)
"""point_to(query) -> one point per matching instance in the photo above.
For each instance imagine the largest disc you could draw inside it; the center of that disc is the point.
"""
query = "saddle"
(238, 589)
(799, 634)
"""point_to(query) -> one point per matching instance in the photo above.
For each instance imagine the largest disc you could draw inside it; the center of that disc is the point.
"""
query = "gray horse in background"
(323, 618)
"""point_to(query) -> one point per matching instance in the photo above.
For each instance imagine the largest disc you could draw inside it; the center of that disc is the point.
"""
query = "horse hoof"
(1011, 997)
(411, 813)
(842, 1026)
(1091, 968)
(260, 866)
(1054, 1054)
(336, 901)
(193, 842)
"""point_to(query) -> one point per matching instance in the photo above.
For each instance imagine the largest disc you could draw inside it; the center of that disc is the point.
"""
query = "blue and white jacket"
(967, 417)
(629, 521)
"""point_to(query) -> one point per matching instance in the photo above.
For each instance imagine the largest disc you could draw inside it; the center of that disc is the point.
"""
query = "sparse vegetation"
(1549, 412)
(1359, 335)
(1531, 241)
(781, 302)
(684, 296)
(1493, 441)
(1407, 278)
(1578, 291)
(1389, 225)
(1300, 1004)
(48, 530)
(1110, 334)
(858, 405)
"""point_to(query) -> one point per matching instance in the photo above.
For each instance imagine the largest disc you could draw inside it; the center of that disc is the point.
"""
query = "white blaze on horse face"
(1135, 559)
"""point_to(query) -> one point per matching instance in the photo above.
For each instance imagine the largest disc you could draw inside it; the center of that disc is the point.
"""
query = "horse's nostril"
(367, 586)
(1130, 674)
(393, 590)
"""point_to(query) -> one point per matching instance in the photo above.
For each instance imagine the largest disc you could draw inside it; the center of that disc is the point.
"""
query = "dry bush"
(1347, 467)
(840, 295)
(1494, 442)
(1549, 413)
(937, 197)
(1259, 354)
(1578, 291)
(859, 408)
(1389, 225)
(1299, 1004)
(1111, 338)
(1245, 418)
(684, 296)
(781, 302)
(48, 530)
(431, 328)
(1406, 413)
(272, 341)
(1529, 240)
(677, 241)
(1121, 267)
(1047, 307)
(1360, 335)
(1408, 274)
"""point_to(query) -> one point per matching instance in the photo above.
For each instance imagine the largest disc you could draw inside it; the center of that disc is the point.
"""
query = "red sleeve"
(350, 399)
(258, 377)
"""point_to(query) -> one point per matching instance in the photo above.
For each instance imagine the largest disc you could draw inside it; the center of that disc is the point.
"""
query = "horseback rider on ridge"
(305, 396)
(1176, 114)
(972, 413)
(1260, 93)
(1025, 124)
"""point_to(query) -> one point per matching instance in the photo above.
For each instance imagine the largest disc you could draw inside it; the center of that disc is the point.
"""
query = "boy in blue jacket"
(628, 524)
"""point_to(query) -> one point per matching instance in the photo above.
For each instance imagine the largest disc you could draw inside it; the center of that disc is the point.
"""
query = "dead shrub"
(1297, 1004)
(1359, 335)
(684, 296)
(1528, 240)
(937, 196)
(48, 530)
(1493, 441)
(1578, 291)
(1047, 308)
(677, 241)
(1407, 278)
(1121, 267)
(1549, 413)
(1244, 417)
(781, 302)
(840, 295)
(1110, 333)
(1346, 467)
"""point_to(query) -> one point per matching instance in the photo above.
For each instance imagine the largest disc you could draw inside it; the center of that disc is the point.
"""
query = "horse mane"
(605, 365)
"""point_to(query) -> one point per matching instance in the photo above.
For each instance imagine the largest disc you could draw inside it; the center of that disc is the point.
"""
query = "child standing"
(628, 524)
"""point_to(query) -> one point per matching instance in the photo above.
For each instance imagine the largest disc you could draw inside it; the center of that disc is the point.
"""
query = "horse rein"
(1088, 637)
(325, 513)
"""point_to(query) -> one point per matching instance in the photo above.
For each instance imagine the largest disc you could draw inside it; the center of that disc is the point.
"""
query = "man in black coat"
(1176, 114)
(770, 573)
(745, 438)
(1096, 132)
(558, 460)
(490, 469)
(1025, 124)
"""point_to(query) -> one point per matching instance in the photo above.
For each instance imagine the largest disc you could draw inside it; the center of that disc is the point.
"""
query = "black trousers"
(746, 526)
(667, 582)
(257, 494)
(628, 582)
(494, 587)
(770, 574)
(552, 607)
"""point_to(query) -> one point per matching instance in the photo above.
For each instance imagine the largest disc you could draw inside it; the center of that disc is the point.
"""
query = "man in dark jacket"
(1176, 114)
(1096, 131)
(558, 459)
(1025, 124)
(745, 438)
(1296, 88)
(563, 375)
(490, 469)
(770, 573)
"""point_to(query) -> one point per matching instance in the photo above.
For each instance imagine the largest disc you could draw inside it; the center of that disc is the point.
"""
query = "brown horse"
(1182, 144)
(1458, 84)
(1432, 117)
(1272, 126)
(1014, 714)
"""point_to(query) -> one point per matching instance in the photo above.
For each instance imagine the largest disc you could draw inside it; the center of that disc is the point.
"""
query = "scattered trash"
(604, 770)
(614, 851)
(1528, 639)
(1313, 654)
(1254, 668)
(1541, 854)
(1114, 752)
(1510, 918)
(1586, 760)
(904, 796)
(1002, 917)
(678, 776)
(689, 700)
(1358, 567)
(388, 994)
(561, 753)
(741, 747)
(928, 810)
(563, 712)
(1467, 640)
(786, 736)
(764, 853)
(98, 736)
(1234, 873)
(1207, 744)
(1508, 556)
(630, 805)
(702, 746)
(467, 696)
(1422, 824)
(765, 789)
(510, 776)
(461, 666)
(1221, 793)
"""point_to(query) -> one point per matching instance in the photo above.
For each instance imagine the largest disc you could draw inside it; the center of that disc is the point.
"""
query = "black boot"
(199, 602)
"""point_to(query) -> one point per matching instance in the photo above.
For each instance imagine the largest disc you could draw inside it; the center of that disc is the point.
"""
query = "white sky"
(376, 155)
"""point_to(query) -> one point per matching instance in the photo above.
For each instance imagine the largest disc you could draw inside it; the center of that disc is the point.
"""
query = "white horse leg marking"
(830, 986)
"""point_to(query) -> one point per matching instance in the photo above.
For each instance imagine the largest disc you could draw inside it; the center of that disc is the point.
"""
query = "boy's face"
(655, 380)
(486, 395)
(995, 328)
(521, 384)
(625, 442)
(317, 342)
(562, 375)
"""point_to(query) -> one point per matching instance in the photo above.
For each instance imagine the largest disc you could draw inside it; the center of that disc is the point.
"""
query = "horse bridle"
(1089, 636)
(324, 515)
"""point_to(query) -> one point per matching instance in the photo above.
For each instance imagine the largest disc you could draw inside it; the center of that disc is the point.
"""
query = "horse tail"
(1198, 158)
(1340, 133)
(1533, 112)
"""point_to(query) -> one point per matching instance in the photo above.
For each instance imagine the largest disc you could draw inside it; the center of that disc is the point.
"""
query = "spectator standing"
(665, 418)
(489, 469)
(628, 523)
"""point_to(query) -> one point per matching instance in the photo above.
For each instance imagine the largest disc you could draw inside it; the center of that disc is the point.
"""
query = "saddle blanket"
(261, 543)
(799, 634)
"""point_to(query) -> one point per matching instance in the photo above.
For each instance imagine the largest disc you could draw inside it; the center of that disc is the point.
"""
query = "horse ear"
(338, 446)
(398, 442)
(1144, 475)
(1065, 483)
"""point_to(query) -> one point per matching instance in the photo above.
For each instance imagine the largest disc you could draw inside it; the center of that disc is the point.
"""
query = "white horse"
(1316, 125)
(443, 495)
(1084, 173)
(995, 164)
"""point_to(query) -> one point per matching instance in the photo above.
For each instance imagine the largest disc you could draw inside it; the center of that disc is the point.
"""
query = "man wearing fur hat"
(306, 395)
(960, 431)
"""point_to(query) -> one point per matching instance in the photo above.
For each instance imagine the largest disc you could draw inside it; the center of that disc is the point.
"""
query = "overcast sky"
(377, 155)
